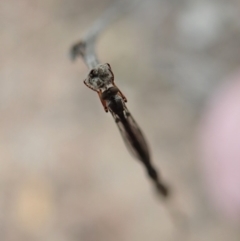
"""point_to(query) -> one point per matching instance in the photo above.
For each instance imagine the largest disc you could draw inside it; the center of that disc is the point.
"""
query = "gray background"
(65, 173)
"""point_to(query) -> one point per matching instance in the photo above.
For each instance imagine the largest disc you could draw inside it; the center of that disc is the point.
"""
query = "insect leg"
(121, 94)
(89, 86)
(99, 94)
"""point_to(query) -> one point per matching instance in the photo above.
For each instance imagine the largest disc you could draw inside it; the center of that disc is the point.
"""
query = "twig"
(86, 46)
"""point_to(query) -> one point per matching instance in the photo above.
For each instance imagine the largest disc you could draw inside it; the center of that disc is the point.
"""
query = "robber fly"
(101, 80)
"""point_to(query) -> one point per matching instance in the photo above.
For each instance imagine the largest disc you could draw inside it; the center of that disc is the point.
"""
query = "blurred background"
(65, 174)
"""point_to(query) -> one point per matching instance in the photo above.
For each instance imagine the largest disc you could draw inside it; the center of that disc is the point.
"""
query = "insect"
(101, 80)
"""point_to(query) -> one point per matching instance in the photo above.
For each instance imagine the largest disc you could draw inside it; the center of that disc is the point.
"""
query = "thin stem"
(86, 46)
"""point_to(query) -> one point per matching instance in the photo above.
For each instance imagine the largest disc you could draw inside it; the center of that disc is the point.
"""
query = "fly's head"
(100, 77)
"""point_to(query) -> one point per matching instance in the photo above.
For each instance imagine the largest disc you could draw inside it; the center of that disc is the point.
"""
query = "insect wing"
(131, 134)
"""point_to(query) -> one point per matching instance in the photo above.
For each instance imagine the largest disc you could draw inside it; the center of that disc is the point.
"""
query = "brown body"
(101, 80)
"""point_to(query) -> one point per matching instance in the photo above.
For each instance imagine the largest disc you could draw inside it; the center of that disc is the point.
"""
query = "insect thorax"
(100, 77)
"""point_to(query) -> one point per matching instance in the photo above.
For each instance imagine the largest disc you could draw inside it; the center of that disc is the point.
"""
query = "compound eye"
(91, 73)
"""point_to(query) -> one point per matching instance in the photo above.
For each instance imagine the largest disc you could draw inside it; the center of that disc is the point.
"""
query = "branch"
(85, 48)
